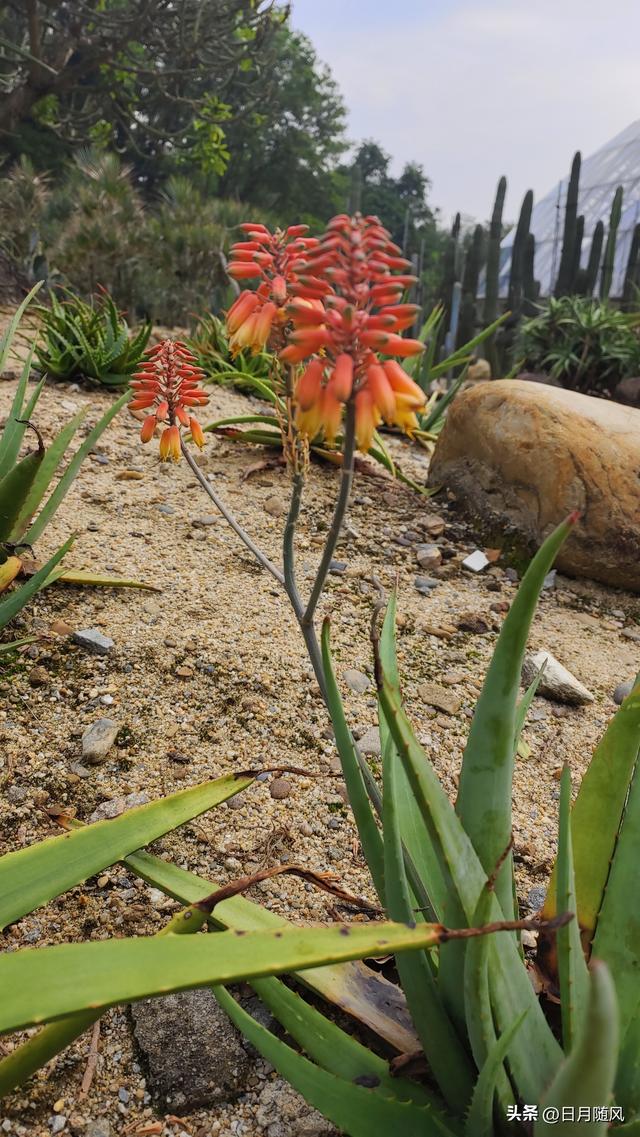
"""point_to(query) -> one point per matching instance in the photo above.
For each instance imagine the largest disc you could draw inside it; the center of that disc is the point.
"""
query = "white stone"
(476, 561)
(556, 682)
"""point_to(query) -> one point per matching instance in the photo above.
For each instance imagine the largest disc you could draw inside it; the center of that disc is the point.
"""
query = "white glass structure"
(616, 163)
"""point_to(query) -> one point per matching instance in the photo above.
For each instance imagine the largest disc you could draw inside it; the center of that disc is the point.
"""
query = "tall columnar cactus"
(530, 286)
(587, 277)
(516, 278)
(470, 277)
(632, 274)
(492, 283)
(577, 252)
(606, 278)
(569, 237)
(450, 265)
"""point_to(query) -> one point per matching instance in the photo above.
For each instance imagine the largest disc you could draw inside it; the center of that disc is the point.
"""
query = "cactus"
(450, 265)
(586, 277)
(569, 237)
(577, 252)
(632, 274)
(470, 278)
(606, 277)
(518, 252)
(530, 286)
(355, 189)
(492, 283)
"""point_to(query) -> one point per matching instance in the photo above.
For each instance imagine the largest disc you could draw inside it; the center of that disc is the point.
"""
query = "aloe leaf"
(364, 994)
(486, 777)
(461, 354)
(572, 968)
(617, 941)
(597, 812)
(16, 644)
(44, 984)
(335, 1050)
(15, 601)
(522, 709)
(61, 489)
(9, 333)
(98, 580)
(480, 1116)
(382, 454)
(535, 1063)
(477, 1002)
(368, 831)
(52, 457)
(13, 431)
(429, 421)
(586, 1077)
(445, 1055)
(237, 420)
(355, 1109)
(433, 887)
(32, 876)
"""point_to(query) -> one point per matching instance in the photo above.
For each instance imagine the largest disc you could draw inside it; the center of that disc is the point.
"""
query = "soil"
(210, 676)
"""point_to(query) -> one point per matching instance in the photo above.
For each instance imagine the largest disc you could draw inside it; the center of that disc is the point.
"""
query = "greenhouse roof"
(616, 163)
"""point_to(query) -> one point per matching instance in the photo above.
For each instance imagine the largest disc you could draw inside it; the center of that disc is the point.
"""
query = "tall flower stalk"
(331, 310)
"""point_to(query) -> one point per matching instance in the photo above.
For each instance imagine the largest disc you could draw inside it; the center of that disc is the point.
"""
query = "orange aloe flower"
(346, 313)
(258, 318)
(167, 385)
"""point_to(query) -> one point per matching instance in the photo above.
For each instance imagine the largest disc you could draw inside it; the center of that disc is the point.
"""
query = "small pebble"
(357, 681)
(428, 556)
(439, 697)
(61, 628)
(97, 740)
(621, 691)
(476, 561)
(123, 1095)
(337, 567)
(280, 788)
(166, 509)
(369, 742)
(38, 677)
(275, 506)
(204, 522)
(425, 584)
(57, 1123)
(536, 897)
(184, 672)
(92, 640)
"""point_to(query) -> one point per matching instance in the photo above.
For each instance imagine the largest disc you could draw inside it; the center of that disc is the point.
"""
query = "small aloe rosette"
(168, 385)
(337, 305)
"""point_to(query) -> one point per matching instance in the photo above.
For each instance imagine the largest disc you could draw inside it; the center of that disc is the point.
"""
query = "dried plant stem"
(231, 519)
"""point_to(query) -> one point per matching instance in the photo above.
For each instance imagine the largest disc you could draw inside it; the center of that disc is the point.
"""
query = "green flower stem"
(346, 481)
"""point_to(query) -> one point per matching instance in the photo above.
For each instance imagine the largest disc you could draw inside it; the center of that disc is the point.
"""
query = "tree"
(146, 77)
(283, 153)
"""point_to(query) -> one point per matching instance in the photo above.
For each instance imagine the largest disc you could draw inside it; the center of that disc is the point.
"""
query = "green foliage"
(89, 342)
(585, 343)
(26, 482)
(210, 345)
(24, 195)
(182, 244)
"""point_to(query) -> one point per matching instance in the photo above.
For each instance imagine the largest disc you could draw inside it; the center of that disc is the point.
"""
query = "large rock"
(522, 456)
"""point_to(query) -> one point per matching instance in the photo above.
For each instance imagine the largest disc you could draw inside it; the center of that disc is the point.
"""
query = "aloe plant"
(25, 482)
(89, 342)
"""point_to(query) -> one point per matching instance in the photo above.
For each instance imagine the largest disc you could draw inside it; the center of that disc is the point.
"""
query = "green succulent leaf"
(358, 1111)
(480, 1119)
(44, 984)
(30, 877)
(586, 1077)
(484, 795)
(572, 967)
(14, 602)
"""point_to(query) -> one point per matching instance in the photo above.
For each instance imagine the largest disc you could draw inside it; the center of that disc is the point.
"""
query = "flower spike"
(166, 384)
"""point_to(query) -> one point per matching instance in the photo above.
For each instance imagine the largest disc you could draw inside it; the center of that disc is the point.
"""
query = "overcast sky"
(473, 89)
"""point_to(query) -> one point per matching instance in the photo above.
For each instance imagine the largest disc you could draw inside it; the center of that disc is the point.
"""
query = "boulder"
(628, 391)
(520, 456)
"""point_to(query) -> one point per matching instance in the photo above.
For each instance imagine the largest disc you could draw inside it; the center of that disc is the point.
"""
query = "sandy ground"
(210, 676)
